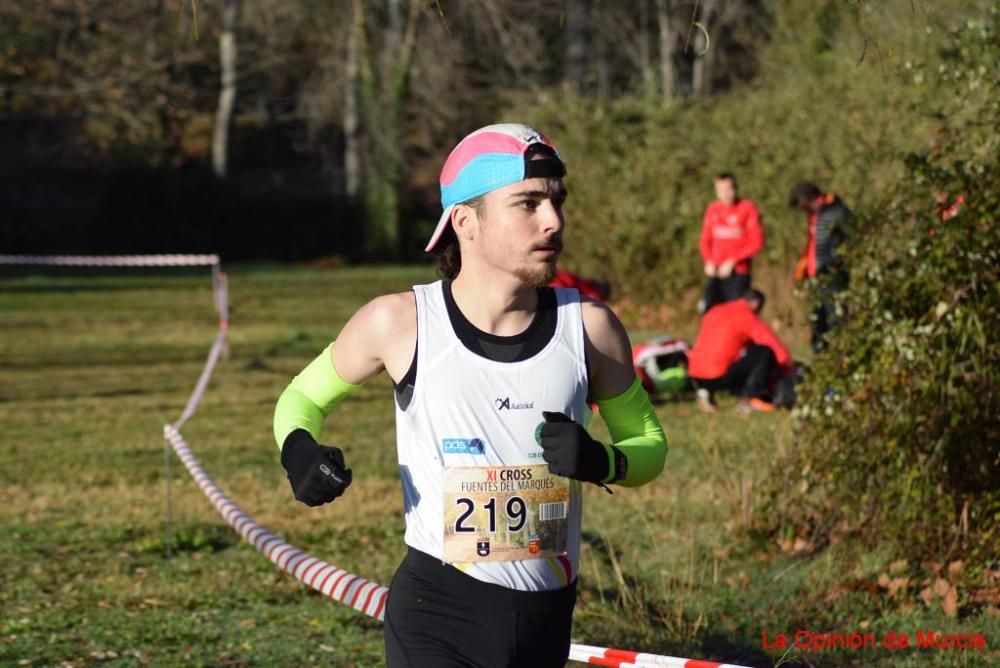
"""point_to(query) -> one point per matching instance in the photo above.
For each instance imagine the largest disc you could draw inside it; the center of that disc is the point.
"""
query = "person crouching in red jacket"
(736, 351)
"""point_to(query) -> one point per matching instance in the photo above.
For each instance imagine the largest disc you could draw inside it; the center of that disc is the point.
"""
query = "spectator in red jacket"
(589, 287)
(731, 234)
(736, 351)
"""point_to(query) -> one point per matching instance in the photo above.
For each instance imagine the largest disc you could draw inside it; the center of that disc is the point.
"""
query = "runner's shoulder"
(603, 328)
(393, 313)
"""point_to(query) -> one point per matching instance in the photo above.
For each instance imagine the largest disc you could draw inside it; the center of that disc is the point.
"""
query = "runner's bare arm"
(639, 446)
(381, 335)
(609, 352)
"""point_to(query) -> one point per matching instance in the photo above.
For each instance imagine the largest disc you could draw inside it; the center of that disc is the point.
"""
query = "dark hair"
(755, 295)
(722, 176)
(447, 254)
(803, 193)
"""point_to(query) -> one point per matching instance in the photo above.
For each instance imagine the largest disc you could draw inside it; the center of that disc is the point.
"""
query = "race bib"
(502, 513)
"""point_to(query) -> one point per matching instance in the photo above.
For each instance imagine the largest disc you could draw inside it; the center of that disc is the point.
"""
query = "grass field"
(92, 364)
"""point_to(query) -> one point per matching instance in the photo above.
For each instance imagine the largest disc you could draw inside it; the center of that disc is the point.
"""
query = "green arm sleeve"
(636, 432)
(310, 397)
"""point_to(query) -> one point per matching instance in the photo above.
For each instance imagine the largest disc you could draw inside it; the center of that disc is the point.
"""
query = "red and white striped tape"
(359, 593)
(620, 658)
(162, 260)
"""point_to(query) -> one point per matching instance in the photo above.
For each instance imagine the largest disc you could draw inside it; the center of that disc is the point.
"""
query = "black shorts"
(437, 616)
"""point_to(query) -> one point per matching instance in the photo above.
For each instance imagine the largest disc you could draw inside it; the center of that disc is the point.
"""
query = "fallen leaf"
(950, 603)
(955, 569)
(896, 584)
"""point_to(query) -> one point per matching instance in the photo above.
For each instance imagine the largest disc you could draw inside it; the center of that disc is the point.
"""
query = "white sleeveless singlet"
(460, 397)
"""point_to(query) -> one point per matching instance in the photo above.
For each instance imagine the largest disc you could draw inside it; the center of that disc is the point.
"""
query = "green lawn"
(93, 364)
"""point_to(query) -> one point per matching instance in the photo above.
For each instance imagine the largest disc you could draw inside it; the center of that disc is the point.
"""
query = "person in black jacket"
(828, 221)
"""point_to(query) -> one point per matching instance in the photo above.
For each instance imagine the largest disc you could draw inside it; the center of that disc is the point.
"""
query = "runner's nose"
(550, 217)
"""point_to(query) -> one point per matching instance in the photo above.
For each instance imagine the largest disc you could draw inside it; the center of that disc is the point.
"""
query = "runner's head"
(502, 193)
(725, 187)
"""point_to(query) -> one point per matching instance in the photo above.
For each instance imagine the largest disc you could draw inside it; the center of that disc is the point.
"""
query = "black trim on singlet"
(516, 348)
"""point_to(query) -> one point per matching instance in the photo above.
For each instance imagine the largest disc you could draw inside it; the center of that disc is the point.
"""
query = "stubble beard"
(536, 277)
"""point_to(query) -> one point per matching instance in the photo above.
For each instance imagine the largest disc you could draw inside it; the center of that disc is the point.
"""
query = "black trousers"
(824, 318)
(747, 377)
(720, 290)
(438, 617)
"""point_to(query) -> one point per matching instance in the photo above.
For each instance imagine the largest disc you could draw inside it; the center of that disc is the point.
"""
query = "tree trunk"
(668, 42)
(701, 81)
(227, 95)
(601, 73)
(645, 51)
(383, 94)
(576, 44)
(352, 161)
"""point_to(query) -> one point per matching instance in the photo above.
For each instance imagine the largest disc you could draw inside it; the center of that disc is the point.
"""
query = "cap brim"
(443, 223)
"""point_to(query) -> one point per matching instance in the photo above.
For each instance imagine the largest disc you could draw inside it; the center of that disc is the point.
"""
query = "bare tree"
(576, 43)
(384, 79)
(668, 44)
(645, 51)
(352, 161)
(227, 93)
(701, 70)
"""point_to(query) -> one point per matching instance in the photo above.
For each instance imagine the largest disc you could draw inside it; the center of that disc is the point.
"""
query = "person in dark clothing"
(828, 220)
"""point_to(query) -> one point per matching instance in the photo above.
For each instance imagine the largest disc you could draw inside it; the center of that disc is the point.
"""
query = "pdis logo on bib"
(463, 446)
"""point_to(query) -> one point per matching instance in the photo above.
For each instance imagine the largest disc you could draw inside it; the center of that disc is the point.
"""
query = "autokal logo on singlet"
(505, 404)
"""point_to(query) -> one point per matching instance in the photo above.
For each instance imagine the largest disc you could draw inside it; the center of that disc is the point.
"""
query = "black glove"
(316, 472)
(570, 451)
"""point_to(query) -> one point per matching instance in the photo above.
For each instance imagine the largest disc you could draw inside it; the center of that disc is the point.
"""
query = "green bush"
(900, 417)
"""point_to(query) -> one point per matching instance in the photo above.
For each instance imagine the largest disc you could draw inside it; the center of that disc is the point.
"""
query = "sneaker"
(754, 405)
(705, 403)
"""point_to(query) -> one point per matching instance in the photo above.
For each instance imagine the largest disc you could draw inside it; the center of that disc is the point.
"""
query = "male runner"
(492, 372)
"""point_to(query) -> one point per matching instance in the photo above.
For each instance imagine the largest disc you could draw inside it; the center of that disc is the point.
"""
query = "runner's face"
(521, 229)
(725, 190)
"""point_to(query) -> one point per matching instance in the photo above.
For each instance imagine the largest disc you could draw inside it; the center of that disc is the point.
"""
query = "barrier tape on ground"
(165, 260)
(619, 658)
(353, 590)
